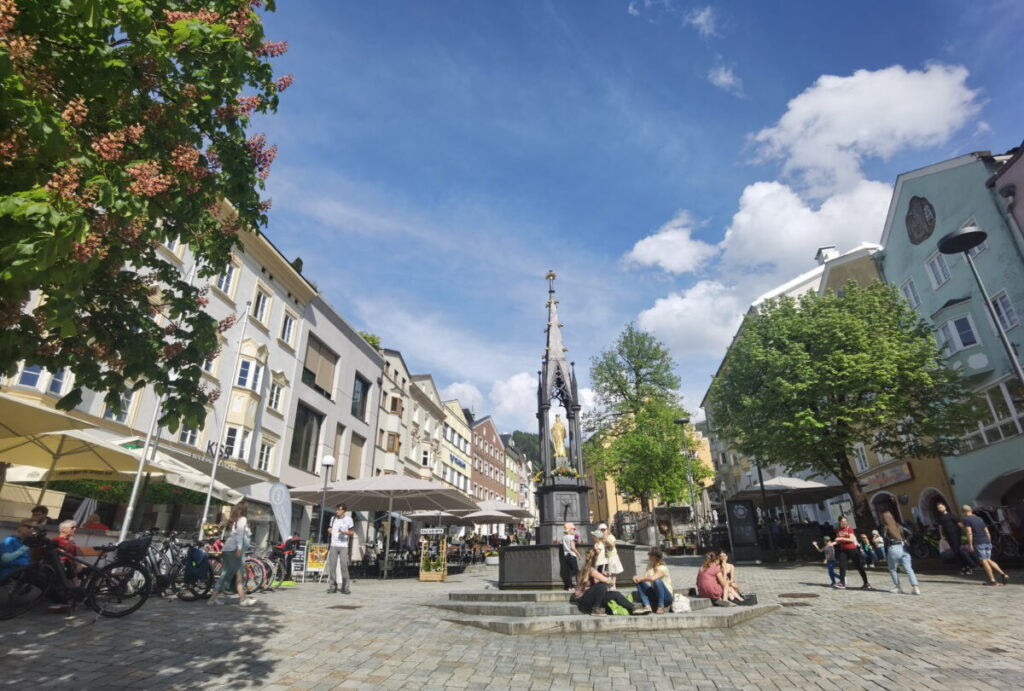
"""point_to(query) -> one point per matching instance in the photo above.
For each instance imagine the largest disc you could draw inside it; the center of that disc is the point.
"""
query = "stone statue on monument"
(558, 441)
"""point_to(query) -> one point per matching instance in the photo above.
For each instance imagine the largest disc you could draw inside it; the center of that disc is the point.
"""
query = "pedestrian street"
(385, 635)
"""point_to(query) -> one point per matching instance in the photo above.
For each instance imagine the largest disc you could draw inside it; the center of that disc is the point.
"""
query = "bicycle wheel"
(252, 575)
(278, 576)
(21, 589)
(268, 574)
(198, 589)
(118, 589)
(921, 550)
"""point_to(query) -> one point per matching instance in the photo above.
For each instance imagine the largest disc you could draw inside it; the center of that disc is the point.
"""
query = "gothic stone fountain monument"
(562, 490)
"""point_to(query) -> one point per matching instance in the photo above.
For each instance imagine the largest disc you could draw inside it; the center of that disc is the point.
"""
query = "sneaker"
(332, 589)
(866, 586)
(247, 602)
(990, 583)
(215, 602)
(346, 591)
(915, 590)
(896, 589)
(598, 612)
(841, 586)
(835, 585)
(1006, 579)
(640, 610)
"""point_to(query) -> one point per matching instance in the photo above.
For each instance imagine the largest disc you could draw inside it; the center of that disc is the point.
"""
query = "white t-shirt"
(339, 526)
(237, 537)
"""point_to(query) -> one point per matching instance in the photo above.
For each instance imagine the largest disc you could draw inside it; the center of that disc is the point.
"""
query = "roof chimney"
(826, 254)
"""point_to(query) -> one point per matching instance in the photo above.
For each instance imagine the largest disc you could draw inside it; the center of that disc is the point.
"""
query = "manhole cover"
(798, 595)
(796, 604)
(344, 607)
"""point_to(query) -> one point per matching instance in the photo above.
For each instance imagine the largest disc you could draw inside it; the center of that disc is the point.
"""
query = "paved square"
(957, 635)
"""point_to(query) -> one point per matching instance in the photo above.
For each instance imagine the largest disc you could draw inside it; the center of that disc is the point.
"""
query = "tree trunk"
(645, 502)
(864, 519)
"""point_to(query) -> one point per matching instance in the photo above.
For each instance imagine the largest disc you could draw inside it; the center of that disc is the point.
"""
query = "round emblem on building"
(920, 220)
(739, 510)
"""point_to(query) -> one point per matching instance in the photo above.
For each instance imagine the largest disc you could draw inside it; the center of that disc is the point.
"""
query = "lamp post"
(326, 463)
(964, 240)
(682, 422)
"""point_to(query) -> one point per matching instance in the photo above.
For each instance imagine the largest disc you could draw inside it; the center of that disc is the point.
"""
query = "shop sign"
(900, 472)
(431, 531)
(456, 461)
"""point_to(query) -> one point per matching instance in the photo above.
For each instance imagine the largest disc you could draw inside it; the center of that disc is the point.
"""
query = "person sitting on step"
(592, 594)
(732, 588)
(655, 586)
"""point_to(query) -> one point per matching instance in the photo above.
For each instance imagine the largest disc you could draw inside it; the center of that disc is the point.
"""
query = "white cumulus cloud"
(704, 20)
(838, 121)
(514, 402)
(697, 321)
(774, 234)
(725, 79)
(672, 247)
(467, 394)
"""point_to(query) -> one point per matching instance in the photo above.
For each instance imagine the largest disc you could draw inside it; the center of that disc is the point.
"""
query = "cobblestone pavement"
(957, 635)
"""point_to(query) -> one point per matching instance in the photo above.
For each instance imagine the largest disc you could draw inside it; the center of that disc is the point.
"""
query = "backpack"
(197, 564)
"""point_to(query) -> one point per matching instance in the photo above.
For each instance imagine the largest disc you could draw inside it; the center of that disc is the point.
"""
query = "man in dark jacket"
(951, 531)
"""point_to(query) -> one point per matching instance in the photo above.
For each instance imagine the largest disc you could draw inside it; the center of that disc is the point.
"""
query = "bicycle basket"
(134, 550)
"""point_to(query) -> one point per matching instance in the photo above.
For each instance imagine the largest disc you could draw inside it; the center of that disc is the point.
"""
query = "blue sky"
(670, 160)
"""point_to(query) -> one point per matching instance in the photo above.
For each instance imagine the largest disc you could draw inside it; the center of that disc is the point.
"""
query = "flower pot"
(492, 561)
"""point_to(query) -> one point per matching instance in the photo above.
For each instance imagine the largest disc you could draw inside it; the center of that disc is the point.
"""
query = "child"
(829, 550)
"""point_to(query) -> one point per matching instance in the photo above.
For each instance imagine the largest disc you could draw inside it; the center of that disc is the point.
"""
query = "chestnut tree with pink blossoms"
(123, 127)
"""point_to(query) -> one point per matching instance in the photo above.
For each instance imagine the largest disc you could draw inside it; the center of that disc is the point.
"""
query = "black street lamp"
(964, 240)
(326, 463)
(682, 422)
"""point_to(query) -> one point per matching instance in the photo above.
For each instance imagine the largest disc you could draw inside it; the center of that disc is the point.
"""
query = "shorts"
(983, 551)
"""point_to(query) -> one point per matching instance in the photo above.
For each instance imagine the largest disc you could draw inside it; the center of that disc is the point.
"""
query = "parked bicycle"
(115, 589)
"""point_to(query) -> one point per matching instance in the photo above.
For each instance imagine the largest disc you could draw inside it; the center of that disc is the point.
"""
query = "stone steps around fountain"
(548, 611)
(713, 618)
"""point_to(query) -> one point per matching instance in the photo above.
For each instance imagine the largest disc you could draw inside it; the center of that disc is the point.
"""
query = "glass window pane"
(964, 330)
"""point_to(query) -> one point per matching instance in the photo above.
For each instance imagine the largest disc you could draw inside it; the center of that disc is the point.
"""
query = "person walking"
(231, 557)
(341, 529)
(829, 550)
(951, 531)
(898, 555)
(979, 542)
(847, 551)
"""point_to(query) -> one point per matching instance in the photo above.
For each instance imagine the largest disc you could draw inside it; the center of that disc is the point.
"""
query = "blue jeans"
(654, 594)
(898, 556)
(230, 564)
(832, 575)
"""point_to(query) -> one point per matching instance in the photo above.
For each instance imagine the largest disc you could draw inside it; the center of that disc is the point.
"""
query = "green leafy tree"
(806, 380)
(123, 127)
(637, 370)
(648, 457)
(528, 444)
(634, 438)
(372, 339)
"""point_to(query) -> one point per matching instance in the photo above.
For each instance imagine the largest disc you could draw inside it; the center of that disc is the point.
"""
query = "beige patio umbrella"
(20, 418)
(505, 508)
(76, 449)
(387, 493)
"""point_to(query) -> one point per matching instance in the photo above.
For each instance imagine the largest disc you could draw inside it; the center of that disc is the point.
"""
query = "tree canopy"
(634, 438)
(804, 381)
(122, 130)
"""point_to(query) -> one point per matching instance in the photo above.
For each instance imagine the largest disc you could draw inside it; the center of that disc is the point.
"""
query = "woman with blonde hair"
(897, 555)
(231, 557)
(592, 594)
(611, 551)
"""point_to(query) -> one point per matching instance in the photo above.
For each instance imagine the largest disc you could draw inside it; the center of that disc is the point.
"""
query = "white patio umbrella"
(484, 517)
(387, 493)
(70, 449)
(22, 418)
(503, 507)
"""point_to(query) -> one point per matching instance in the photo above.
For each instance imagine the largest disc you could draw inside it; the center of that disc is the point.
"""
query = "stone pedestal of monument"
(538, 566)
